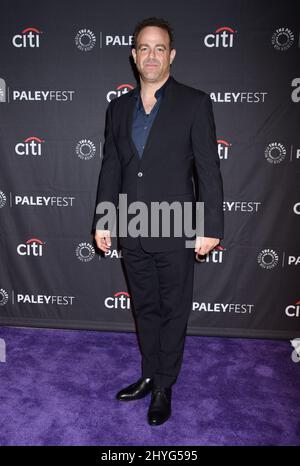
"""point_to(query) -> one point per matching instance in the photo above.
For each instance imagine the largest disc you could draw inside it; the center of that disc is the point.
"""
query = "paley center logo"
(20, 95)
(85, 252)
(29, 37)
(268, 259)
(30, 146)
(2, 199)
(3, 93)
(120, 300)
(32, 247)
(86, 149)
(3, 297)
(85, 40)
(282, 39)
(275, 153)
(121, 89)
(222, 37)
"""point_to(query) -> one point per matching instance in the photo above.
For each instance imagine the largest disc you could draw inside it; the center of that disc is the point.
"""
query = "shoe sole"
(132, 399)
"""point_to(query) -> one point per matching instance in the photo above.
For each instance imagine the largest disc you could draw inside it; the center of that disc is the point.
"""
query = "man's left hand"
(204, 244)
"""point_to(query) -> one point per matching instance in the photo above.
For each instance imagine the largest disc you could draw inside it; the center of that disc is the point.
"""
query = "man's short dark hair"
(153, 21)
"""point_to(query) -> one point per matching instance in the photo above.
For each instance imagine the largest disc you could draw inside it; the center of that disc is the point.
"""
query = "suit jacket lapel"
(161, 118)
(129, 118)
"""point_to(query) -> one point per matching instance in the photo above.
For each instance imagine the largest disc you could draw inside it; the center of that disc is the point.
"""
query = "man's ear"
(133, 53)
(172, 55)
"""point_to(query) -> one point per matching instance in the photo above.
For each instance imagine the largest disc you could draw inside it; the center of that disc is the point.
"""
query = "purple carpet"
(58, 388)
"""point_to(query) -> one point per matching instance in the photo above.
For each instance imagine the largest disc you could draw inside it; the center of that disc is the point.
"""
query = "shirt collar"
(159, 91)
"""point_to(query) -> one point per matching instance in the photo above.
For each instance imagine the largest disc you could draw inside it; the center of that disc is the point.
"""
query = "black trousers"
(161, 290)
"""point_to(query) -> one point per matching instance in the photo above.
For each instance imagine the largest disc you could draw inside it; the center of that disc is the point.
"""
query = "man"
(156, 134)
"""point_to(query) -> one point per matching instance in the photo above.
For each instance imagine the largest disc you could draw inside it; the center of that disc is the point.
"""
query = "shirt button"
(145, 127)
(140, 174)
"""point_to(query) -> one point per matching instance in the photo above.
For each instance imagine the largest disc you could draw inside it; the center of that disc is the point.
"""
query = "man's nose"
(152, 53)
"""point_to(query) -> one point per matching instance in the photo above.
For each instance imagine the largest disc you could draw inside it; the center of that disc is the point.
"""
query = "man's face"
(152, 55)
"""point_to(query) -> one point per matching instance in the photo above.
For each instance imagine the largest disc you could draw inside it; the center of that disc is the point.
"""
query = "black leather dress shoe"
(160, 406)
(136, 390)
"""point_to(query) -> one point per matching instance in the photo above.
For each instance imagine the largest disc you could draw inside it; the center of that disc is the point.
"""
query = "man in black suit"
(157, 136)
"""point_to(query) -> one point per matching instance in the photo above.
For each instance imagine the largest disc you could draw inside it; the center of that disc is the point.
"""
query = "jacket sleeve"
(109, 183)
(207, 165)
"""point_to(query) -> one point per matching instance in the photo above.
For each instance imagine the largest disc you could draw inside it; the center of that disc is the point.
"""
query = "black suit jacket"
(180, 161)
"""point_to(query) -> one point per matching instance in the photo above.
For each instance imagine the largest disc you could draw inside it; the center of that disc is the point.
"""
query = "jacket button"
(140, 174)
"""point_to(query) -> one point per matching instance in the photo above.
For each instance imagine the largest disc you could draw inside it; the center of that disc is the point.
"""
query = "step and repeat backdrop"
(62, 62)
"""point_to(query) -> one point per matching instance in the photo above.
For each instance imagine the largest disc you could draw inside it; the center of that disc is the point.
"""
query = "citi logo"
(29, 37)
(223, 37)
(293, 310)
(122, 89)
(223, 149)
(30, 146)
(120, 300)
(32, 247)
(215, 256)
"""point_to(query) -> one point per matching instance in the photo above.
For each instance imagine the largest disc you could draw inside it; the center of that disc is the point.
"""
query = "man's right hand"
(103, 240)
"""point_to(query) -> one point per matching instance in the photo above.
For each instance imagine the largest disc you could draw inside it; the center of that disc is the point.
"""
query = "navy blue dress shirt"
(142, 122)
